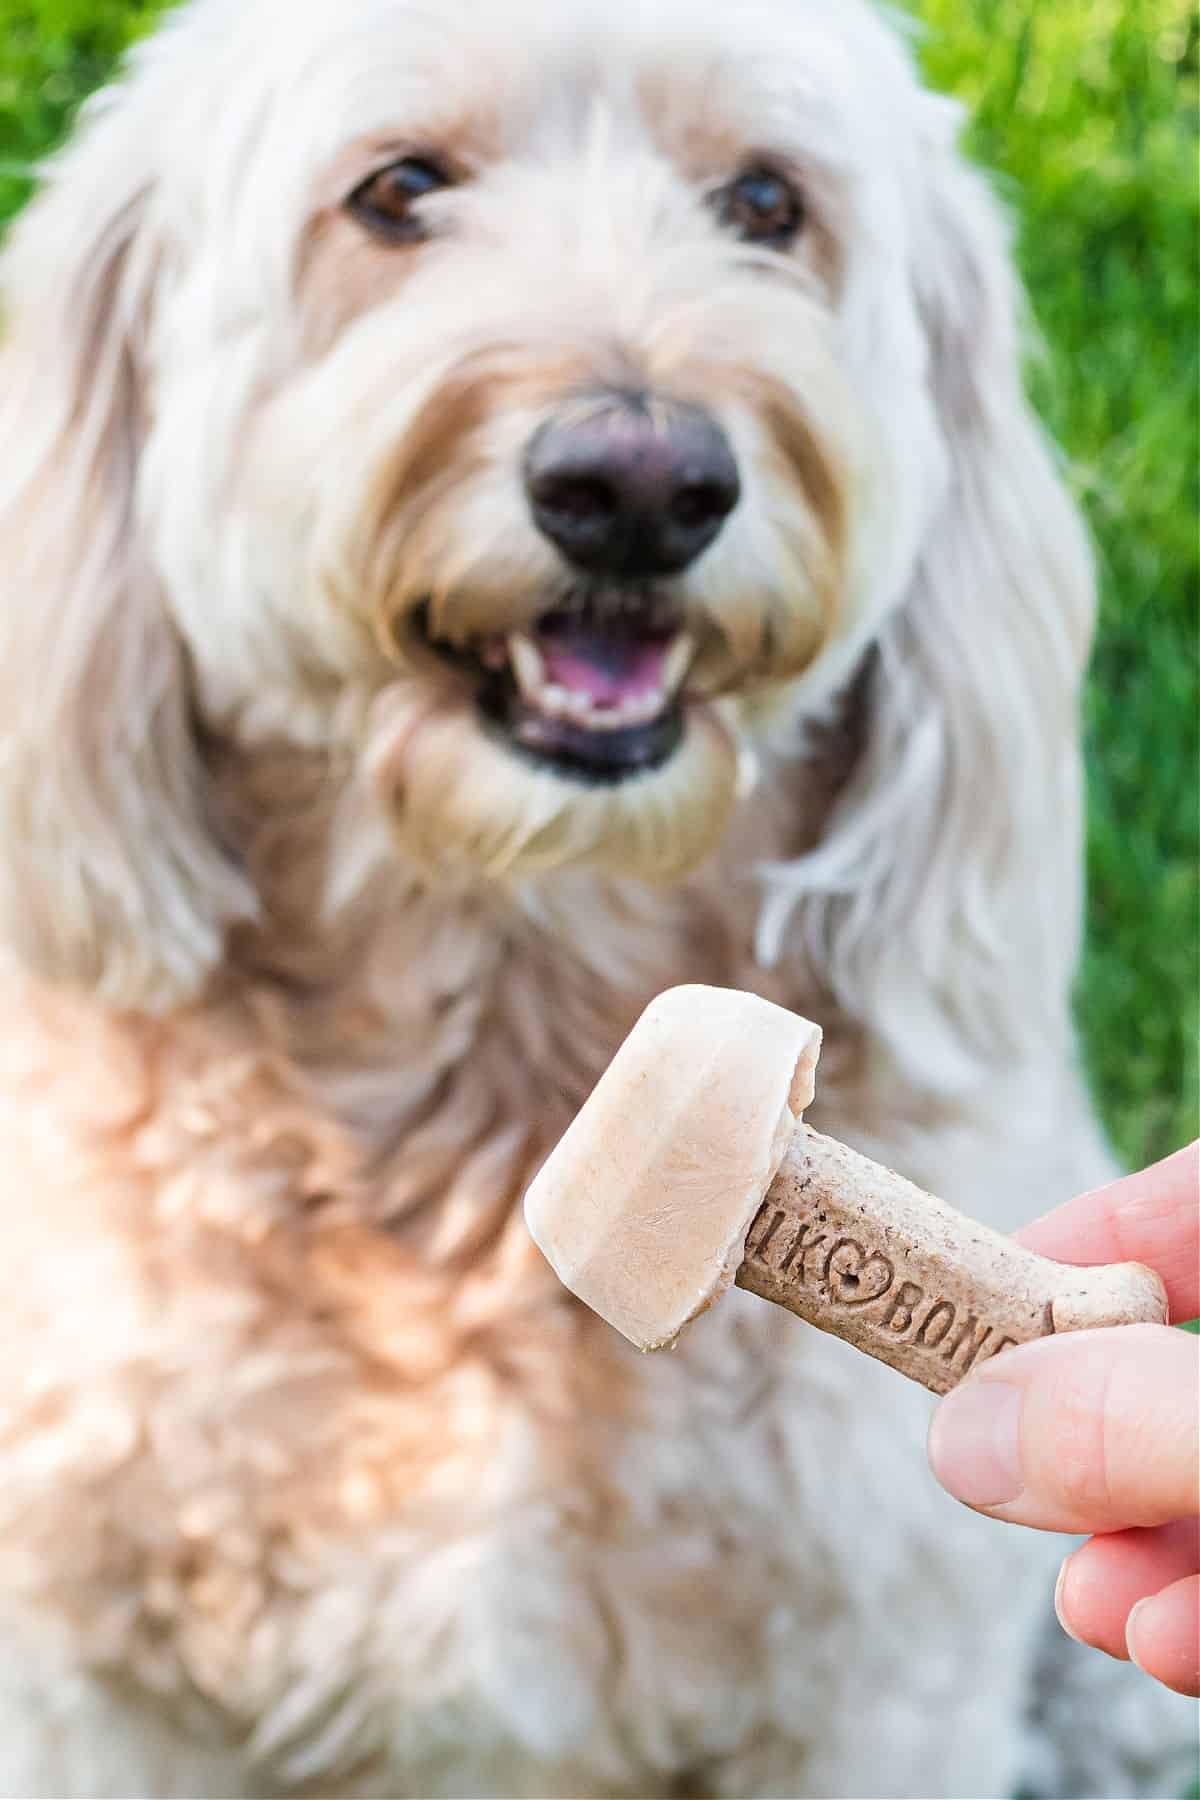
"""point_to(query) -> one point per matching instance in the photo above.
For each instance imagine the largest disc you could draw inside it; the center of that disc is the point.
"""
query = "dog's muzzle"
(630, 491)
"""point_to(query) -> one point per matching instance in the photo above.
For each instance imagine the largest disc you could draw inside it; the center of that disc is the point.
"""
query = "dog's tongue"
(608, 669)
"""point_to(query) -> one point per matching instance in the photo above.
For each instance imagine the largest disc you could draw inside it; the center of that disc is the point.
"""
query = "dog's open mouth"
(593, 692)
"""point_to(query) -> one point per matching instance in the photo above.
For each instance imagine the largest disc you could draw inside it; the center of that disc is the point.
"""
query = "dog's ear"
(945, 903)
(109, 873)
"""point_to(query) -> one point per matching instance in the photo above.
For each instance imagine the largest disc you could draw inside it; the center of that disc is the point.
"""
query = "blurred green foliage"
(1087, 110)
(52, 54)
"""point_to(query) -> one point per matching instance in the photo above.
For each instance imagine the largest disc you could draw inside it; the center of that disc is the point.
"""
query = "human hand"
(1099, 1431)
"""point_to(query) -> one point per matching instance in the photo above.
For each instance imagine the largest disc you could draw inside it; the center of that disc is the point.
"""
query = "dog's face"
(532, 364)
(535, 408)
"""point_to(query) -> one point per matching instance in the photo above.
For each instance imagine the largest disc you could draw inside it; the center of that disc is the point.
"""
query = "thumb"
(1089, 1431)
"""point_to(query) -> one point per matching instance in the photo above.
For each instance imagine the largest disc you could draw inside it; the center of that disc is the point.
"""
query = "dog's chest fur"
(332, 1396)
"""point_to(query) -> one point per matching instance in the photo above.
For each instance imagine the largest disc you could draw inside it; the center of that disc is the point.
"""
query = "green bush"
(1086, 109)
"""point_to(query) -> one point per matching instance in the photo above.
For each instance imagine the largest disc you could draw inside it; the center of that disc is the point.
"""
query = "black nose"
(630, 488)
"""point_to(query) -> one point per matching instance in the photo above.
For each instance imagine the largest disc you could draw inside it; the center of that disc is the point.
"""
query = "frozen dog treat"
(644, 1207)
(689, 1169)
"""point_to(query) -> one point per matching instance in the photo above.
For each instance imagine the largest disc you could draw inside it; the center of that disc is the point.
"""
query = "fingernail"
(974, 1443)
(1129, 1632)
(1059, 1586)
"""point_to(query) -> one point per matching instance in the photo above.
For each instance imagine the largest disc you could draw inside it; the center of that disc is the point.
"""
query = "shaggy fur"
(310, 1477)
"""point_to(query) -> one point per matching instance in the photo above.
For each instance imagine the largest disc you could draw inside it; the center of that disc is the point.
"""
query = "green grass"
(1086, 109)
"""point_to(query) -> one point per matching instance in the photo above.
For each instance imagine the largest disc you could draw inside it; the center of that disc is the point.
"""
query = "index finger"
(1152, 1217)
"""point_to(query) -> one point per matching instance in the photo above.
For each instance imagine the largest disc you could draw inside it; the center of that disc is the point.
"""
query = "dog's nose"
(633, 489)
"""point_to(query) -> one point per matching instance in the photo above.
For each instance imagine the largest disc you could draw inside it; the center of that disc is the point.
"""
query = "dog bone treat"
(688, 1169)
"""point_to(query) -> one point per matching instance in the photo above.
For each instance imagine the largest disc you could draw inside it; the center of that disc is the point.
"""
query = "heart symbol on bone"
(854, 1278)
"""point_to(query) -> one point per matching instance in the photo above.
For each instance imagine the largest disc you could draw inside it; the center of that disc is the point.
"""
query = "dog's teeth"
(527, 664)
(749, 773)
(554, 701)
(678, 661)
(579, 707)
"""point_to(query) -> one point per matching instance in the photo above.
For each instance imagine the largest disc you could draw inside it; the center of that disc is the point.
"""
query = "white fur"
(307, 1473)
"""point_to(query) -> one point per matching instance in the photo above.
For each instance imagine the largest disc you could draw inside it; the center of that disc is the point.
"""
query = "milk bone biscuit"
(689, 1169)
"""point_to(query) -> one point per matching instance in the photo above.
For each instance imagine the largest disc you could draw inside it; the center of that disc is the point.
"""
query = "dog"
(505, 508)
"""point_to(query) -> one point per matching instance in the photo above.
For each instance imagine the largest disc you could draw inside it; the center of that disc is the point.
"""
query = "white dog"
(504, 507)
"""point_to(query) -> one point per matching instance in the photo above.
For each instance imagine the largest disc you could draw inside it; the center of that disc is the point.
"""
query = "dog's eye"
(762, 207)
(387, 203)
